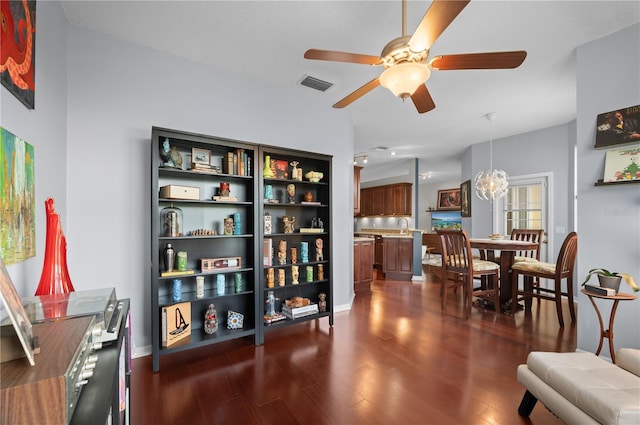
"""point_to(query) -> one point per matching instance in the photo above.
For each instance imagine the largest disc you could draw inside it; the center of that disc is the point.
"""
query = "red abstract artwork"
(17, 48)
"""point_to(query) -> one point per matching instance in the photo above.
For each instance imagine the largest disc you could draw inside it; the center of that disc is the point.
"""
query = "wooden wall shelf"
(623, 182)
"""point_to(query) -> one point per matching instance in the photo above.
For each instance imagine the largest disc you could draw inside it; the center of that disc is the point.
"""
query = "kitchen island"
(397, 251)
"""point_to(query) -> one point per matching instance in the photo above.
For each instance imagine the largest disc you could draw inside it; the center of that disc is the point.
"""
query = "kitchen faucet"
(404, 229)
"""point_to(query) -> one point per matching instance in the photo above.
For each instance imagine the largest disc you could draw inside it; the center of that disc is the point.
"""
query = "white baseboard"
(146, 350)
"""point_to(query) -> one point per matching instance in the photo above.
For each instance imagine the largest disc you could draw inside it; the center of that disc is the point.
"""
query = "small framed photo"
(465, 199)
(449, 199)
(200, 156)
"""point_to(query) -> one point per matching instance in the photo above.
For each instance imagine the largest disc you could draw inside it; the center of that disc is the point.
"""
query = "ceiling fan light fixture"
(404, 78)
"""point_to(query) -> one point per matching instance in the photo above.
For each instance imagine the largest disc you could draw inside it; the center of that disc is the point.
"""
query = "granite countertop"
(361, 239)
(388, 232)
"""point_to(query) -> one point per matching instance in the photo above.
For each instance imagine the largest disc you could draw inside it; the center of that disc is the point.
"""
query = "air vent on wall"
(315, 83)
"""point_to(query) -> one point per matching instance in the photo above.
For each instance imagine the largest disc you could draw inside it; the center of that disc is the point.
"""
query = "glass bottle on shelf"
(171, 221)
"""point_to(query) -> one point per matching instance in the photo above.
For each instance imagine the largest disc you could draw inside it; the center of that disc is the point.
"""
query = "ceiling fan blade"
(438, 17)
(358, 93)
(422, 99)
(329, 55)
(495, 60)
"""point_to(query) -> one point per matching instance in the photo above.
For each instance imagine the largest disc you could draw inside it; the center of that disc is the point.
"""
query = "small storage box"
(180, 192)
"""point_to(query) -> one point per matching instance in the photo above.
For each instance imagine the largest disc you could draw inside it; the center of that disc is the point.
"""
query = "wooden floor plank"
(394, 358)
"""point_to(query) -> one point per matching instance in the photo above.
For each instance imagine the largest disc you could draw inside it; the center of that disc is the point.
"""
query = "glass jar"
(171, 221)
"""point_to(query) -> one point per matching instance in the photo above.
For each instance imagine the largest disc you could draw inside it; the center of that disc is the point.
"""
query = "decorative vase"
(267, 173)
(612, 282)
(55, 275)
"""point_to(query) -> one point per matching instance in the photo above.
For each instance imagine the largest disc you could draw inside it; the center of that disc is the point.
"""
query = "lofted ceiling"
(266, 41)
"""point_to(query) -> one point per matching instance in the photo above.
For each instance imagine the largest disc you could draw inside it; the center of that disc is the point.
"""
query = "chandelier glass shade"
(404, 78)
(491, 184)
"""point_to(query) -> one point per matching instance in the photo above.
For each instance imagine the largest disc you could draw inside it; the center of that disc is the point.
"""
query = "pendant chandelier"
(491, 184)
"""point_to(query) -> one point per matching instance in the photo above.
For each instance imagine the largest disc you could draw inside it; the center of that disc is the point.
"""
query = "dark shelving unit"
(304, 214)
(208, 214)
(204, 213)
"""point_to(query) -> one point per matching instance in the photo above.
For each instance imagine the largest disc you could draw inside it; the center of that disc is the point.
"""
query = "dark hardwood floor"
(395, 358)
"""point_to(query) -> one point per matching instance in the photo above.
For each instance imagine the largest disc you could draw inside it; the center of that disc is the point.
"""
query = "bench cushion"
(604, 391)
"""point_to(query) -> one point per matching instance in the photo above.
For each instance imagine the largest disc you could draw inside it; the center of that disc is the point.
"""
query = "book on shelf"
(177, 273)
(206, 168)
(298, 312)
(224, 198)
(275, 318)
(599, 290)
(176, 323)
(227, 163)
(267, 250)
(311, 230)
(311, 203)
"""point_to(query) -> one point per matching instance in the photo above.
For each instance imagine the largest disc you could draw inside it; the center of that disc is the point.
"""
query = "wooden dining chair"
(528, 235)
(561, 269)
(459, 269)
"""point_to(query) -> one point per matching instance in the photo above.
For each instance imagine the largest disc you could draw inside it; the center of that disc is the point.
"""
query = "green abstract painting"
(18, 214)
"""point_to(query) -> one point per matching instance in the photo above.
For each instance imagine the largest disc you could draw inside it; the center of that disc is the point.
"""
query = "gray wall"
(549, 150)
(609, 216)
(44, 127)
(92, 147)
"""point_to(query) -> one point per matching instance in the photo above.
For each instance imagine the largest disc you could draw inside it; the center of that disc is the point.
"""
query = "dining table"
(508, 249)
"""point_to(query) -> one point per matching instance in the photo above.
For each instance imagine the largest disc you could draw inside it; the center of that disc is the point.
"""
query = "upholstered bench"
(582, 388)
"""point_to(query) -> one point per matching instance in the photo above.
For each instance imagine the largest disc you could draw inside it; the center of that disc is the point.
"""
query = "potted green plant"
(609, 279)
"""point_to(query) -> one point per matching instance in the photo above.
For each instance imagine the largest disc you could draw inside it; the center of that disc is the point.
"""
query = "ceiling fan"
(405, 58)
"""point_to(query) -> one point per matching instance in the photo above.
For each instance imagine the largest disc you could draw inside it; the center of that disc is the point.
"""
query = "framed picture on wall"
(449, 199)
(619, 127)
(465, 199)
(19, 50)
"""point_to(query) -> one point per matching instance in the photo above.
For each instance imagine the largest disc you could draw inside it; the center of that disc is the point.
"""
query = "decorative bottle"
(169, 256)
(211, 320)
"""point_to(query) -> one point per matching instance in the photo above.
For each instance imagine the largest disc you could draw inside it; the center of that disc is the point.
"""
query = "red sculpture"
(55, 275)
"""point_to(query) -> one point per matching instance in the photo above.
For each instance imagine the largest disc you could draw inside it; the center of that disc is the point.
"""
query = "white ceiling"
(266, 40)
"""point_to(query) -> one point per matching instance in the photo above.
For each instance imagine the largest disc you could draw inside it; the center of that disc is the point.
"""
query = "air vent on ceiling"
(380, 148)
(315, 83)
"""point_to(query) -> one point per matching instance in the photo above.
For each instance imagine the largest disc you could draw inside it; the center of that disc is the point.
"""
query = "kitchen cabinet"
(397, 263)
(387, 200)
(363, 264)
(356, 190)
(402, 199)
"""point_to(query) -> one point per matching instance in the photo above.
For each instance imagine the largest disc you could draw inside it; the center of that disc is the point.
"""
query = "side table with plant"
(609, 279)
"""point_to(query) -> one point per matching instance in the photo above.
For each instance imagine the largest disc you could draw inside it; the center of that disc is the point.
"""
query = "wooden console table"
(608, 333)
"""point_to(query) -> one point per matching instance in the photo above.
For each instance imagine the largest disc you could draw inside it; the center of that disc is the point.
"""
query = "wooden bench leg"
(527, 404)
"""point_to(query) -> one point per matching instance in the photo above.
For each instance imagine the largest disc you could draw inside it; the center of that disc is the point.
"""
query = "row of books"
(237, 162)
